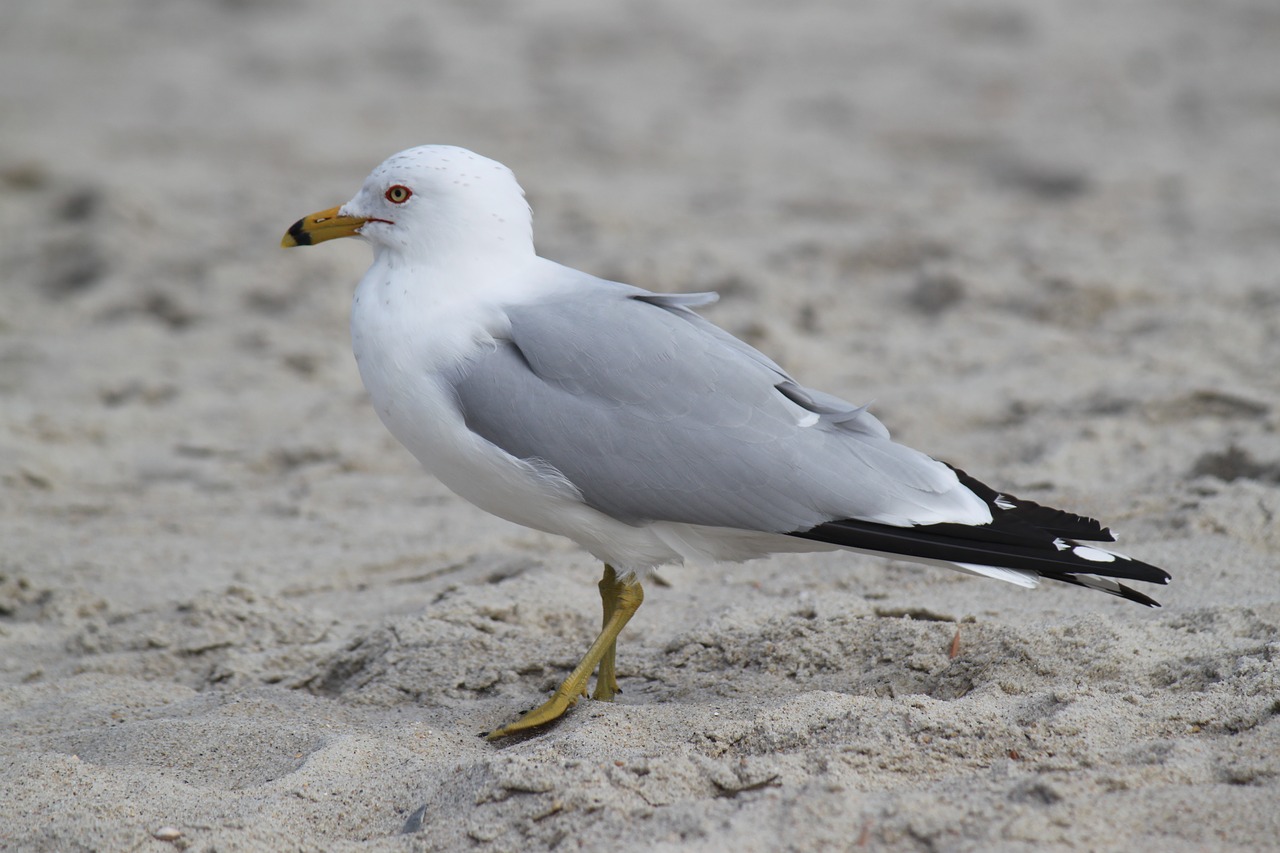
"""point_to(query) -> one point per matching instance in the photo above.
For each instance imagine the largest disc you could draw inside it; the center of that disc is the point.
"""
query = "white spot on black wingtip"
(1061, 545)
(1094, 555)
(1004, 503)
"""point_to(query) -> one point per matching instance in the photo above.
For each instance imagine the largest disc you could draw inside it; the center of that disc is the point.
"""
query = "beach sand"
(1042, 238)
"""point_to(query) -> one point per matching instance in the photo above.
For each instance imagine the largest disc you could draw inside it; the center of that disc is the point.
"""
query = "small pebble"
(167, 833)
(414, 822)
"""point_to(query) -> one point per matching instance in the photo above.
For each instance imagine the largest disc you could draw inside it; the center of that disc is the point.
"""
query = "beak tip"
(297, 235)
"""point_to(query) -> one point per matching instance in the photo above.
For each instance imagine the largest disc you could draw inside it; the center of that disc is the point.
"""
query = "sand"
(1043, 238)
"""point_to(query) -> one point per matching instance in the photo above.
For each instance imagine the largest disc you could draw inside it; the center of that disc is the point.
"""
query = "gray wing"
(654, 413)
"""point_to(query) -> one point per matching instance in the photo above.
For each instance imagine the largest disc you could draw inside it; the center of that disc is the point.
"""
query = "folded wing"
(655, 414)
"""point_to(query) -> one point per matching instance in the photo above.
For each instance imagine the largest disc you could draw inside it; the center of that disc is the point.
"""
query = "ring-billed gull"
(622, 419)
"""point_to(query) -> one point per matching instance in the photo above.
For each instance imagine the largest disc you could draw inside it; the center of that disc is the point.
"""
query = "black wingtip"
(1117, 589)
(1012, 511)
(1020, 547)
(1138, 598)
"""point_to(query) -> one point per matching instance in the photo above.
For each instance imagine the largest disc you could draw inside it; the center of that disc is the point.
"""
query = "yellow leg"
(621, 602)
(606, 678)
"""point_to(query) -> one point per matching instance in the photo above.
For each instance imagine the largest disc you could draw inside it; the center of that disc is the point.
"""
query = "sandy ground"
(1043, 237)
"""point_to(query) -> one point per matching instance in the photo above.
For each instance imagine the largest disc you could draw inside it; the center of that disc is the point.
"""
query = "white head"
(428, 203)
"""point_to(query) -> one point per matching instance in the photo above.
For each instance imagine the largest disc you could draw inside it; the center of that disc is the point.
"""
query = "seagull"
(622, 419)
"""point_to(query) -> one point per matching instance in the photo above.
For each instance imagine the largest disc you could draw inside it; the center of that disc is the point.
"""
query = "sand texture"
(1043, 237)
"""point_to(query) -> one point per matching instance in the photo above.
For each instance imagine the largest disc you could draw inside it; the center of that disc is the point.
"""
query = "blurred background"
(1042, 237)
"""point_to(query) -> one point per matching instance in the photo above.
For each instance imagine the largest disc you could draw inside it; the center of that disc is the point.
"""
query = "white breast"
(409, 344)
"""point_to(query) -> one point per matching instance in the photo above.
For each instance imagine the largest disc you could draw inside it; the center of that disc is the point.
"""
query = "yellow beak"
(318, 227)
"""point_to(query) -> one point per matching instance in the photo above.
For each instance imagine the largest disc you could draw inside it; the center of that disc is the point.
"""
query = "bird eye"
(398, 194)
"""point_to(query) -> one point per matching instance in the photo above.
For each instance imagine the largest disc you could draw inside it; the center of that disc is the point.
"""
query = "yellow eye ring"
(398, 194)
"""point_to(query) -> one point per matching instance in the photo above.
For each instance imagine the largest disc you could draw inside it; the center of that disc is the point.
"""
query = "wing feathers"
(972, 546)
(1012, 511)
(678, 421)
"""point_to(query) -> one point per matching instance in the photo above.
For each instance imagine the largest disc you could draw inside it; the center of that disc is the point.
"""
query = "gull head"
(429, 203)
